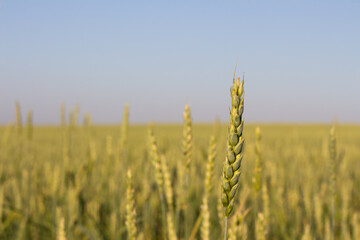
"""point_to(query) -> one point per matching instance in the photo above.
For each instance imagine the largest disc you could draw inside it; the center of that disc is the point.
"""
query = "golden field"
(69, 182)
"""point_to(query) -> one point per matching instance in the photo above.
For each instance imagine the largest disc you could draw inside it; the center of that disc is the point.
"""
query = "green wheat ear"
(235, 144)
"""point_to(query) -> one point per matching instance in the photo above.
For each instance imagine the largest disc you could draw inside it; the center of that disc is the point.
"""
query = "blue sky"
(300, 58)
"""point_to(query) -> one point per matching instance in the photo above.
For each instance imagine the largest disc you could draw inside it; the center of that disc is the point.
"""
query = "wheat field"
(71, 182)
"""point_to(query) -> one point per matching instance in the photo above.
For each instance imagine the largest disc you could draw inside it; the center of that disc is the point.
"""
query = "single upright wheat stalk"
(234, 155)
(171, 227)
(205, 226)
(187, 142)
(266, 209)
(332, 164)
(156, 161)
(257, 171)
(169, 199)
(18, 119)
(187, 151)
(260, 229)
(220, 212)
(167, 184)
(29, 125)
(210, 166)
(130, 209)
(256, 179)
(327, 230)
(355, 225)
(92, 156)
(346, 194)
(155, 158)
(60, 234)
(124, 127)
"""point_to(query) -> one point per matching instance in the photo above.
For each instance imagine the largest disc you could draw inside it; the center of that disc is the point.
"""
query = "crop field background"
(69, 182)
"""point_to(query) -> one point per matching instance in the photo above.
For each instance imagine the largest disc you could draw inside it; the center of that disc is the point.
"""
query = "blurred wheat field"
(69, 182)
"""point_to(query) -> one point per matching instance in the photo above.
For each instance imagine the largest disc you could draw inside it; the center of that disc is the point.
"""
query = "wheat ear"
(130, 209)
(155, 158)
(234, 156)
(187, 142)
(205, 225)
(169, 199)
(187, 151)
(156, 161)
(60, 232)
(167, 184)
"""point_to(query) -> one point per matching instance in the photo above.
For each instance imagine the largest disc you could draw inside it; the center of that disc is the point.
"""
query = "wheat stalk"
(171, 228)
(60, 234)
(260, 229)
(156, 161)
(18, 119)
(307, 233)
(130, 209)
(266, 208)
(154, 154)
(205, 226)
(187, 142)
(124, 128)
(169, 199)
(332, 163)
(257, 171)
(256, 179)
(29, 126)
(327, 230)
(187, 152)
(220, 213)
(210, 166)
(167, 184)
(234, 156)
(355, 225)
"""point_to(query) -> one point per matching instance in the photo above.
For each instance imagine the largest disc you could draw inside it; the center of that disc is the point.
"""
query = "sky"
(300, 59)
